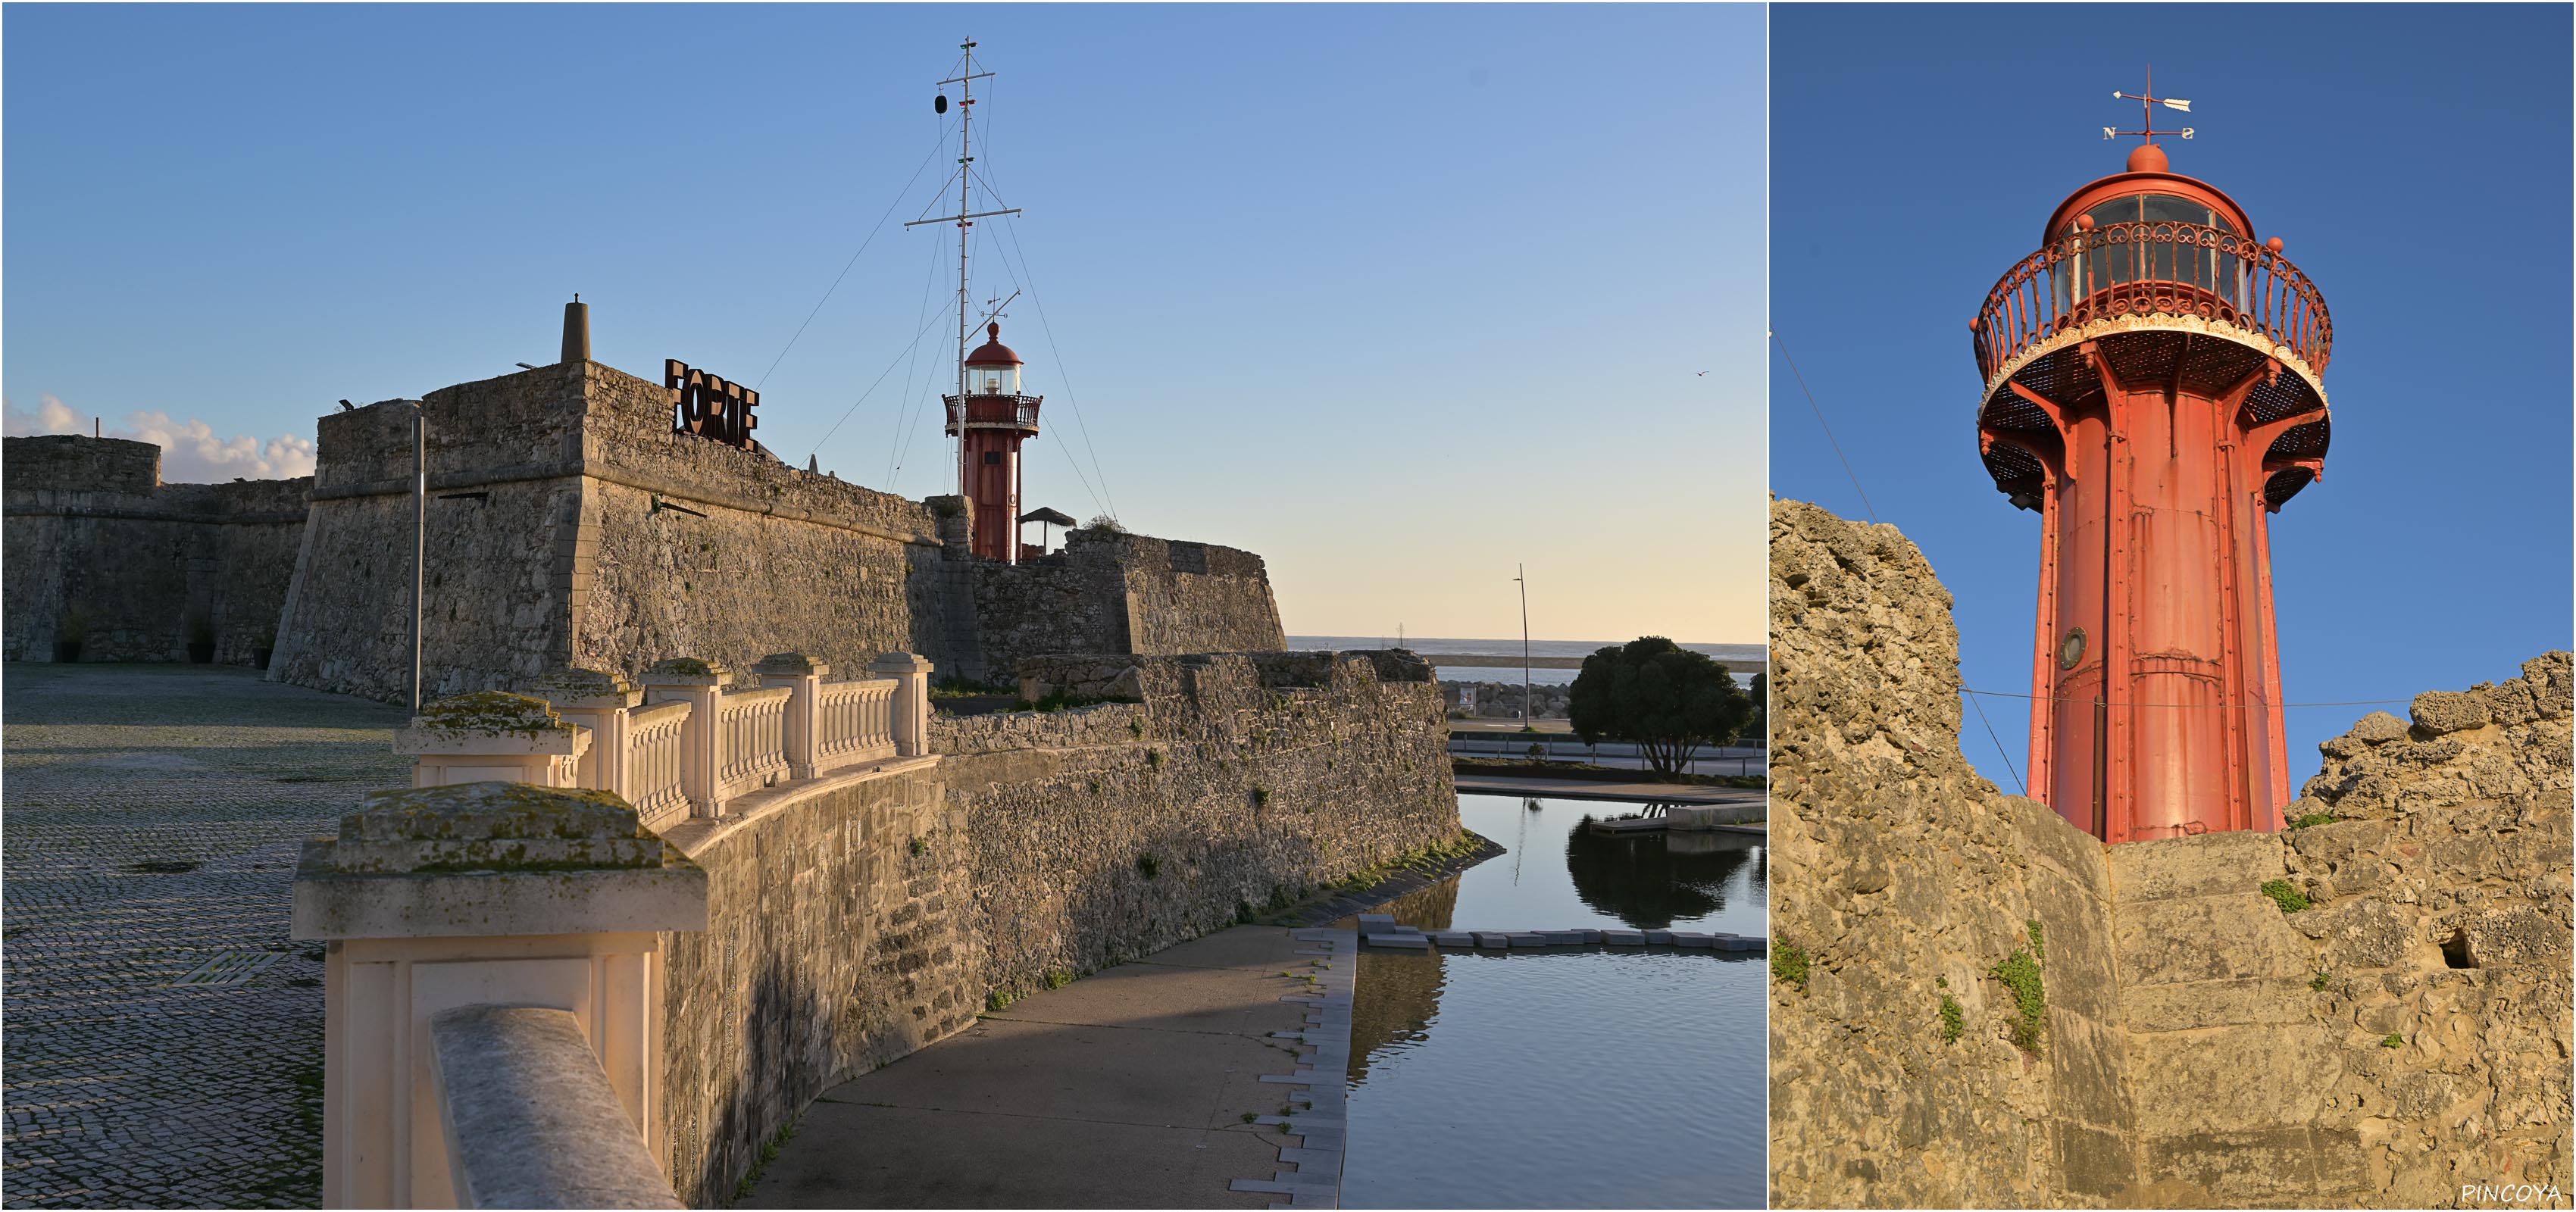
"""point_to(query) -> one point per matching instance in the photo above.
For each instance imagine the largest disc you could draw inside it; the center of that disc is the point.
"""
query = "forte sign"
(708, 406)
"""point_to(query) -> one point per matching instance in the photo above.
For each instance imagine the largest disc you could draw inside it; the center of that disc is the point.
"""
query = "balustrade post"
(485, 894)
(911, 673)
(802, 675)
(597, 701)
(700, 684)
(490, 735)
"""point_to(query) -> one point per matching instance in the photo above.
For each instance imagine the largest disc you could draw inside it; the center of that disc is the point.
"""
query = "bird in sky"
(1703, 374)
(346, 406)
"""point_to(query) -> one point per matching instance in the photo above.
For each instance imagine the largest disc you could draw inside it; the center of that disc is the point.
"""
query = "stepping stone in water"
(1453, 938)
(1624, 938)
(1414, 941)
(1659, 938)
(1487, 938)
(1528, 939)
(1563, 938)
(1692, 938)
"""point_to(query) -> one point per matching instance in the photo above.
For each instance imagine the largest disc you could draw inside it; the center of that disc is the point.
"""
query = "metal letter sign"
(708, 406)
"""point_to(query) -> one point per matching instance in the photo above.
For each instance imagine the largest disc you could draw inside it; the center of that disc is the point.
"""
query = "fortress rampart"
(101, 552)
(567, 524)
(2405, 1031)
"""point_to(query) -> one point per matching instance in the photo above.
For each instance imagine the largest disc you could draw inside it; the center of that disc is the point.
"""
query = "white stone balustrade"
(699, 684)
(656, 743)
(831, 725)
(599, 702)
(487, 894)
(681, 742)
(492, 735)
(751, 750)
(911, 672)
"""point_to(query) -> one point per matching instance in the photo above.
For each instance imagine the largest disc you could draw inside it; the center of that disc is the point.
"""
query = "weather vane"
(2147, 104)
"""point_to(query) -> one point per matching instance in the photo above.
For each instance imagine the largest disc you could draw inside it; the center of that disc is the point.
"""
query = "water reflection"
(1565, 1078)
(1650, 880)
(1393, 1004)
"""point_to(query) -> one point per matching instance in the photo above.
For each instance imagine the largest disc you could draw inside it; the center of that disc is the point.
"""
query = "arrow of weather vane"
(2147, 105)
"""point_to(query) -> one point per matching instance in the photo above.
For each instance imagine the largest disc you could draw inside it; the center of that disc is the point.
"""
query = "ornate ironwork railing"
(2137, 269)
(993, 412)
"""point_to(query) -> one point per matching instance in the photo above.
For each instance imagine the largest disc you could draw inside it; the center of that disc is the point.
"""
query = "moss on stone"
(2019, 973)
(2313, 819)
(1789, 963)
(492, 712)
(2286, 895)
(1953, 1021)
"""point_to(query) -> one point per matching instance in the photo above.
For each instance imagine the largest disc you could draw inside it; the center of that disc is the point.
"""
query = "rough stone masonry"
(2369, 1009)
(567, 524)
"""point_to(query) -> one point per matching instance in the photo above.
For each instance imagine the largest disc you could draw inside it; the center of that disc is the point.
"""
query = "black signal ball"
(939, 104)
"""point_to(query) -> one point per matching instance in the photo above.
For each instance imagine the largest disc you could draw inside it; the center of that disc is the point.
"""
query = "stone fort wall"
(100, 549)
(569, 526)
(2404, 1033)
(1113, 592)
(852, 928)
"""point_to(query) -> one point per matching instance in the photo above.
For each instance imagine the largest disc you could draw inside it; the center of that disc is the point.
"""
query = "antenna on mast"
(966, 215)
(2147, 103)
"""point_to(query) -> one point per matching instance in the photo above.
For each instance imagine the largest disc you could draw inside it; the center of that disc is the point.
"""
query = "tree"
(1759, 727)
(1659, 696)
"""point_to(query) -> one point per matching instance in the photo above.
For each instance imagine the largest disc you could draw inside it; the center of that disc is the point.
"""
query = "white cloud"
(51, 416)
(190, 451)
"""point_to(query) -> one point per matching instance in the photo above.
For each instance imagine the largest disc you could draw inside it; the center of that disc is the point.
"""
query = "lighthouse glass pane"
(2173, 262)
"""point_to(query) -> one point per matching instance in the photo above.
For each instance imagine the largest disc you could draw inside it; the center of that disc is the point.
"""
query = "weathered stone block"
(2209, 865)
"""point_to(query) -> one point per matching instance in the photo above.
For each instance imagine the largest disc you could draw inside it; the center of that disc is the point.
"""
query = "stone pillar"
(596, 701)
(700, 684)
(483, 894)
(803, 675)
(490, 735)
(911, 672)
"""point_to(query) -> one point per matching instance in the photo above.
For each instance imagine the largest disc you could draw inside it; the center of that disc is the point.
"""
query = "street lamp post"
(419, 536)
(1529, 718)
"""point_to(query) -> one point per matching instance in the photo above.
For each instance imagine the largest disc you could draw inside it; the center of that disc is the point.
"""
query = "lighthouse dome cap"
(992, 352)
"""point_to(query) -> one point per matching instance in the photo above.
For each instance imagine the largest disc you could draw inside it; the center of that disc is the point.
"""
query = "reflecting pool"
(1565, 1078)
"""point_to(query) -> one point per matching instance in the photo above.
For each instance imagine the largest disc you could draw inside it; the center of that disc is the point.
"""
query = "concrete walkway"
(1134, 1087)
(1587, 789)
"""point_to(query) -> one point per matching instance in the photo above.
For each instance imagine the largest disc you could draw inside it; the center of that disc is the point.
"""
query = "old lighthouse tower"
(2154, 389)
(990, 418)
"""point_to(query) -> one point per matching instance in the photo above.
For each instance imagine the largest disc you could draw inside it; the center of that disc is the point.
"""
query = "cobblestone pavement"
(163, 1036)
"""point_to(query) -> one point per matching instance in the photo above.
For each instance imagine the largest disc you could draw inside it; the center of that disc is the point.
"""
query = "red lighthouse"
(990, 418)
(2153, 388)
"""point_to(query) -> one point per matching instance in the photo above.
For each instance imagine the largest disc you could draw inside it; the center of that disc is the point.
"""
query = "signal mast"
(987, 415)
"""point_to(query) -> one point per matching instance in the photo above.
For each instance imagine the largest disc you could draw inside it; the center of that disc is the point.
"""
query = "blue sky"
(2414, 160)
(1396, 296)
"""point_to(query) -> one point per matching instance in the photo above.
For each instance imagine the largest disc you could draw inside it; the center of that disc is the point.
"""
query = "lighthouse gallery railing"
(2138, 269)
